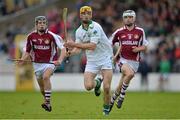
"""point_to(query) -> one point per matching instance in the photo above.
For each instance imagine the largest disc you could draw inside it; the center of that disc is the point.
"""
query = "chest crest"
(46, 41)
(136, 36)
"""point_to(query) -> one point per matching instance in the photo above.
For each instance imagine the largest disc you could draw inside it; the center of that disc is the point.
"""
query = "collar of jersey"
(132, 29)
(89, 25)
(45, 31)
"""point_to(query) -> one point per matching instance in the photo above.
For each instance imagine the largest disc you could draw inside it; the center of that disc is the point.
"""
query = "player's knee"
(46, 78)
(130, 75)
(106, 87)
(89, 86)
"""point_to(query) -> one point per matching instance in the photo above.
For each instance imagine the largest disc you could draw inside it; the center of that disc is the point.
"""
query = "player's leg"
(39, 78)
(90, 82)
(116, 93)
(128, 73)
(107, 77)
(47, 88)
(41, 86)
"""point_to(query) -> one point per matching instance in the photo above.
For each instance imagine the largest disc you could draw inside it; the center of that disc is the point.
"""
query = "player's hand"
(70, 44)
(56, 63)
(135, 49)
(20, 62)
(68, 53)
(115, 58)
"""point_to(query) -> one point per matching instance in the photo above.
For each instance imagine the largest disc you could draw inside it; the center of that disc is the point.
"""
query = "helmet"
(129, 13)
(85, 8)
(41, 18)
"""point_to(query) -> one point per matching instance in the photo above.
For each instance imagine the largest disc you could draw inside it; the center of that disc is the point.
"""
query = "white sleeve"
(58, 40)
(145, 42)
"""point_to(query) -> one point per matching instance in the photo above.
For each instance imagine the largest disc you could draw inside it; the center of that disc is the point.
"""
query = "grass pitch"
(85, 105)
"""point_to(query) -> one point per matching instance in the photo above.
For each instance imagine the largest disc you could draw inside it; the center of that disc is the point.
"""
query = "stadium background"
(159, 18)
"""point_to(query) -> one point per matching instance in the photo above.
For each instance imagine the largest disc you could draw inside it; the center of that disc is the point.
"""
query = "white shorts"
(39, 68)
(96, 66)
(133, 64)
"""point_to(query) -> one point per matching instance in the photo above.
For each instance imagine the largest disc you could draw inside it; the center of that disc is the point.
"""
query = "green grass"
(81, 105)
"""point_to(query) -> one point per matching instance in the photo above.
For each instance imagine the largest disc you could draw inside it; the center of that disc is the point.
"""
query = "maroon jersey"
(43, 48)
(127, 39)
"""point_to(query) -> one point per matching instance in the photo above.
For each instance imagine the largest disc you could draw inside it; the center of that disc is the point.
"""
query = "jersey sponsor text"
(41, 47)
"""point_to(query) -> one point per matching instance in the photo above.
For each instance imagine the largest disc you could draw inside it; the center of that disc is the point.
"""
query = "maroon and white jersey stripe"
(43, 48)
(127, 39)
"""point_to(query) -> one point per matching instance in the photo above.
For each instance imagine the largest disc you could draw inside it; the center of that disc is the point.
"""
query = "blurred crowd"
(159, 18)
(12, 6)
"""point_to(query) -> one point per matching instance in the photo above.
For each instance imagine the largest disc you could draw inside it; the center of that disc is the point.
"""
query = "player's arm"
(83, 46)
(139, 49)
(59, 43)
(74, 51)
(116, 55)
(80, 45)
(25, 56)
(94, 39)
(114, 39)
(26, 52)
(143, 47)
(62, 55)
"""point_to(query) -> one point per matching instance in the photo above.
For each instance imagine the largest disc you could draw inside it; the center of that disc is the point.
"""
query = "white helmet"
(129, 13)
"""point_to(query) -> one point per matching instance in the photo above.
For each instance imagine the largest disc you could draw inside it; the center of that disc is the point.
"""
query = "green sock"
(106, 107)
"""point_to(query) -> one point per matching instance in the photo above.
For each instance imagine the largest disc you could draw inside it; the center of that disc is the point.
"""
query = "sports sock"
(114, 97)
(123, 91)
(48, 96)
(106, 107)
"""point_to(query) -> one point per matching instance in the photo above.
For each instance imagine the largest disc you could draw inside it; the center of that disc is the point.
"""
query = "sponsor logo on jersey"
(41, 47)
(129, 42)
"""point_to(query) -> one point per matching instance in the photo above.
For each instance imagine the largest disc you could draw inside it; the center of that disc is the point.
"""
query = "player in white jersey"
(42, 46)
(91, 38)
(132, 42)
